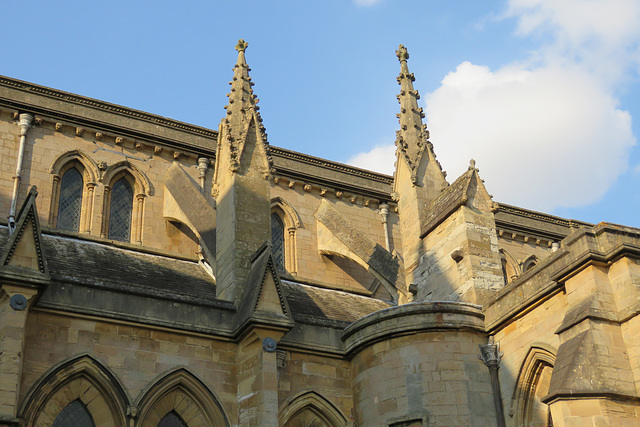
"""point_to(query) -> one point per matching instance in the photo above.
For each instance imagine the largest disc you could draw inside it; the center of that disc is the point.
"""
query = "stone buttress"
(418, 177)
(241, 185)
(449, 242)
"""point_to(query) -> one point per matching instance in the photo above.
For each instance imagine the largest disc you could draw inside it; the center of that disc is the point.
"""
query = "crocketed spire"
(243, 116)
(413, 137)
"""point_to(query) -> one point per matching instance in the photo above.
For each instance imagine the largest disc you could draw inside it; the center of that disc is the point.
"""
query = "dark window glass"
(70, 202)
(74, 415)
(172, 420)
(277, 241)
(120, 211)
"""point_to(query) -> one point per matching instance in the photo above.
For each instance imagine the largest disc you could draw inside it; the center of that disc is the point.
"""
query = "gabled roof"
(449, 200)
(22, 253)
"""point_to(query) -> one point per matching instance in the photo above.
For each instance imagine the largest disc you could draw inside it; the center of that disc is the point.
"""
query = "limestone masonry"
(155, 273)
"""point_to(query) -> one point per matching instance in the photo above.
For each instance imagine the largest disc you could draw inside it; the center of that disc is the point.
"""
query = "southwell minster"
(155, 273)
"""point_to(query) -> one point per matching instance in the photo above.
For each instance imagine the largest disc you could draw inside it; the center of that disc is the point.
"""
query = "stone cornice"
(106, 106)
(328, 164)
(411, 318)
(539, 216)
(601, 245)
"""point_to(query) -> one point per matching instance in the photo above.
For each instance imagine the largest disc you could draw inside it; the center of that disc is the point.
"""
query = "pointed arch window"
(172, 419)
(120, 211)
(75, 414)
(277, 241)
(70, 203)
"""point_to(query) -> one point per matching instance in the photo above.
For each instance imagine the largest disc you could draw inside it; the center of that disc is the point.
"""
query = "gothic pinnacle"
(242, 112)
(412, 135)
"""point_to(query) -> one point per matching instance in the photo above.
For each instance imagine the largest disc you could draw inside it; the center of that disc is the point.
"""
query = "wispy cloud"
(546, 132)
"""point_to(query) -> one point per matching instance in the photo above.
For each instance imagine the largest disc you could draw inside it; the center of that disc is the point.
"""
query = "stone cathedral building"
(155, 273)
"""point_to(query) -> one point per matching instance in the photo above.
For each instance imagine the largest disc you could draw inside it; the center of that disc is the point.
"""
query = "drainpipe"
(490, 356)
(384, 213)
(25, 125)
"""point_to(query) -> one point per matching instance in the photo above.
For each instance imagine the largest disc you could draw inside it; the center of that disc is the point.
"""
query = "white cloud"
(543, 138)
(547, 132)
(379, 159)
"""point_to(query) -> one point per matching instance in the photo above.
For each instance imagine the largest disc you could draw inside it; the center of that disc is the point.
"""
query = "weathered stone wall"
(312, 265)
(460, 259)
(136, 355)
(419, 362)
(45, 143)
(433, 374)
(330, 377)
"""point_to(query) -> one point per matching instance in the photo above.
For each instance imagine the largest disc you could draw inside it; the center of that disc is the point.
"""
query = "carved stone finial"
(242, 45)
(472, 164)
(402, 53)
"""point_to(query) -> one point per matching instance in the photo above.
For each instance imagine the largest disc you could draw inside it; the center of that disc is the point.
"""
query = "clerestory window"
(75, 414)
(277, 241)
(70, 203)
(120, 211)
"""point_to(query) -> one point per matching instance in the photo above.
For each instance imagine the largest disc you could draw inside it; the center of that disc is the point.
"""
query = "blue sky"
(542, 93)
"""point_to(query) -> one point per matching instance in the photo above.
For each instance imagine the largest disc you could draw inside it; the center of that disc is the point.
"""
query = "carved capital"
(490, 353)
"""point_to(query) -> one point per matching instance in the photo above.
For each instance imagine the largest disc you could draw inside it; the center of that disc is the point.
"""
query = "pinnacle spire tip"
(242, 45)
(402, 53)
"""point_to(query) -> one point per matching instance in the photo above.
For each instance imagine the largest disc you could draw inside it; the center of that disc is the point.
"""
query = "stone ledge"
(411, 318)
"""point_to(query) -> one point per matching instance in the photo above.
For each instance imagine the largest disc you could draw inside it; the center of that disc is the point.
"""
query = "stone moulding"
(411, 318)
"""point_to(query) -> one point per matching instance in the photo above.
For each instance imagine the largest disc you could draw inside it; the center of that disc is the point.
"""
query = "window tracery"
(277, 241)
(286, 225)
(73, 183)
(125, 201)
(70, 202)
(120, 211)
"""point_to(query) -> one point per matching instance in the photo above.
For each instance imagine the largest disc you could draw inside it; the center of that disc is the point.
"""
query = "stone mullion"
(87, 208)
(291, 260)
(55, 200)
(105, 211)
(136, 228)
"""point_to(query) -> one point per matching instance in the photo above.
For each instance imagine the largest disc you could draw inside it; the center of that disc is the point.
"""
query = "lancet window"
(120, 211)
(277, 241)
(70, 203)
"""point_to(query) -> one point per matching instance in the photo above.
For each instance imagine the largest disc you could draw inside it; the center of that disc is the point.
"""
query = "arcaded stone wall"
(136, 355)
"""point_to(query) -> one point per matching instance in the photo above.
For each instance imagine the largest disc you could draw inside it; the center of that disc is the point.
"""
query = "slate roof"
(450, 199)
(309, 304)
(101, 265)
